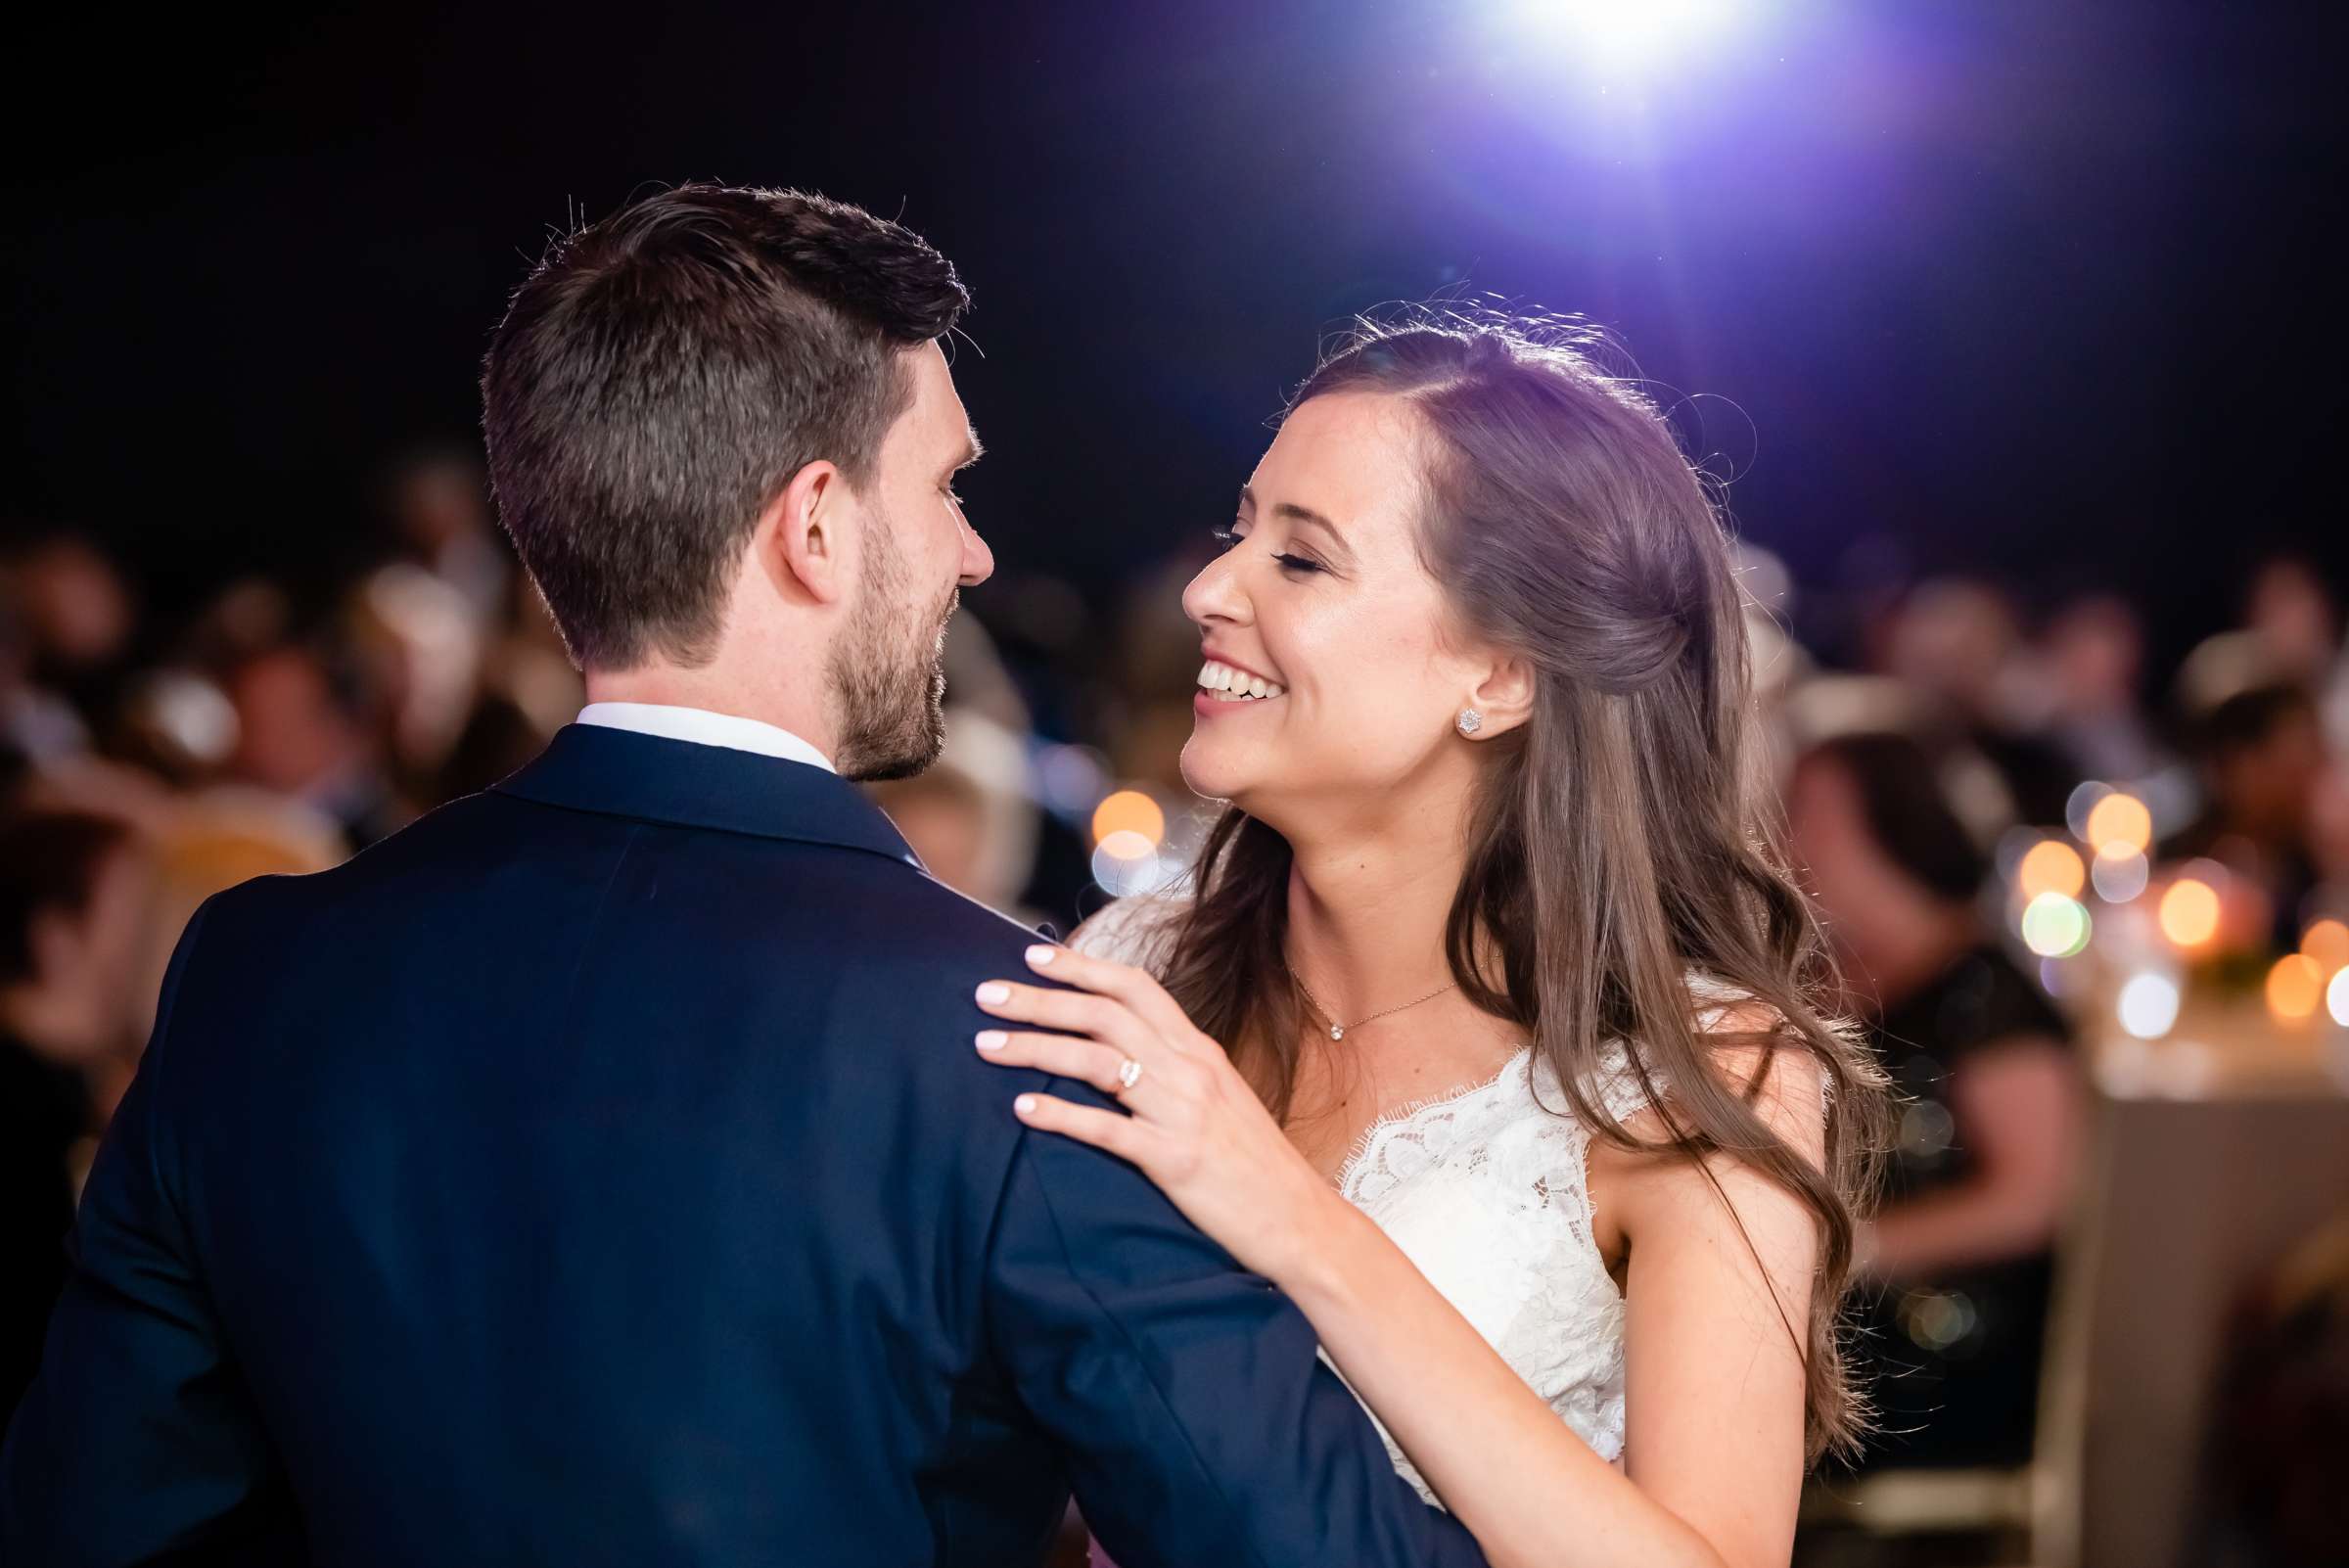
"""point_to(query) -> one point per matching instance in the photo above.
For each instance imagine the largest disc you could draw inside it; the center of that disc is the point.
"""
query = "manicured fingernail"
(992, 1040)
(995, 991)
(1040, 956)
(1025, 1104)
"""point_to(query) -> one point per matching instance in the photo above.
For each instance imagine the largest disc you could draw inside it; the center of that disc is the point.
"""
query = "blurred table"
(2217, 1150)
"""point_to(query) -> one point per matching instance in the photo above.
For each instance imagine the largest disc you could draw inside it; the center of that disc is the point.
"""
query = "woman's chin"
(1208, 775)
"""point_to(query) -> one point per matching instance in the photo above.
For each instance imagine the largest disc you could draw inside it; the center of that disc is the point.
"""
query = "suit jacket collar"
(590, 767)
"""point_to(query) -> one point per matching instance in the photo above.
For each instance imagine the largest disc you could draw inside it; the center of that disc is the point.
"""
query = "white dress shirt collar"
(706, 728)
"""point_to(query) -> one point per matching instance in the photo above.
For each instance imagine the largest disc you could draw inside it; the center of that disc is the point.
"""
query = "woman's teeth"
(1229, 685)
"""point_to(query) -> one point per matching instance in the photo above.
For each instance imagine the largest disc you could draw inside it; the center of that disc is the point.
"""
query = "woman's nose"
(1216, 595)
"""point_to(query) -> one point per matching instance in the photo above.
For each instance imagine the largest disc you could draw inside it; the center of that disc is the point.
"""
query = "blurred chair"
(2184, 1205)
(2191, 1203)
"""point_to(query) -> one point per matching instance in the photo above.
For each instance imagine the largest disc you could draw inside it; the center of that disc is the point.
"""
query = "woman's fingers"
(1137, 989)
(1073, 1012)
(1062, 1055)
(1121, 1136)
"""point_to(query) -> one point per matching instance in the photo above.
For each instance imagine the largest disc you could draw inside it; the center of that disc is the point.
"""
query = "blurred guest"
(972, 818)
(2260, 748)
(249, 616)
(422, 645)
(2293, 616)
(75, 892)
(499, 736)
(302, 736)
(2290, 612)
(175, 724)
(2093, 654)
(1959, 642)
(78, 621)
(37, 727)
(1982, 1166)
(530, 665)
(438, 498)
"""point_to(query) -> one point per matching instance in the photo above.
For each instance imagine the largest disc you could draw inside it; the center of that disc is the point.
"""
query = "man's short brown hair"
(662, 374)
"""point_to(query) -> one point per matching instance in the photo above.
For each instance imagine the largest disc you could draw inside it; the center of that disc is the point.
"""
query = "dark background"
(2037, 289)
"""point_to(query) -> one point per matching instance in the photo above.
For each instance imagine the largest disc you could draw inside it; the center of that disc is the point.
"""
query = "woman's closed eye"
(1227, 537)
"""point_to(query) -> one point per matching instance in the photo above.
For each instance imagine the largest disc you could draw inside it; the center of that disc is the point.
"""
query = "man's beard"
(888, 673)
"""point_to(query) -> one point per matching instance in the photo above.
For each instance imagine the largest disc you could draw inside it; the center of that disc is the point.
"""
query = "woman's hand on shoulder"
(1191, 1121)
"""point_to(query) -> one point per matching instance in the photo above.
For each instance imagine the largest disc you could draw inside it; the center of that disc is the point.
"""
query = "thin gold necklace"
(1337, 1031)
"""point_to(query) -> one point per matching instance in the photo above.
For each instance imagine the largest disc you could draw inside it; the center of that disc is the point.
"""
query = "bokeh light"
(1130, 812)
(2336, 999)
(2119, 874)
(2327, 942)
(2119, 821)
(2295, 985)
(2083, 801)
(1071, 778)
(2189, 913)
(2052, 866)
(1128, 864)
(2148, 1005)
(2056, 925)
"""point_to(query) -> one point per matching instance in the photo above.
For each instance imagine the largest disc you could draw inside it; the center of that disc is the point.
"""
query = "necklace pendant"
(1336, 1031)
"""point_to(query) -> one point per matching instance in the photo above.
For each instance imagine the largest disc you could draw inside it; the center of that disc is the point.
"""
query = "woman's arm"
(1712, 1481)
(2018, 1112)
(1718, 1307)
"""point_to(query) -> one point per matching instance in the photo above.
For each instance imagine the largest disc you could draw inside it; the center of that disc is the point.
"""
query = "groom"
(599, 1171)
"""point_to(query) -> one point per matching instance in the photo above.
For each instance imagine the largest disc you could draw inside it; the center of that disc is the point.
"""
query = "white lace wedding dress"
(1486, 1190)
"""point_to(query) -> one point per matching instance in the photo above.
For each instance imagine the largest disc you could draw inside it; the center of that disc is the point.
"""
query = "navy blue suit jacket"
(599, 1171)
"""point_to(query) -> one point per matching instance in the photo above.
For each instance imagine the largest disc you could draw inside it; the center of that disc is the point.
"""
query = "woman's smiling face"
(1322, 596)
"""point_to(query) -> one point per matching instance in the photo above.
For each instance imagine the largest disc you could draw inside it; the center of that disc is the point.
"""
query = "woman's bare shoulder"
(1132, 929)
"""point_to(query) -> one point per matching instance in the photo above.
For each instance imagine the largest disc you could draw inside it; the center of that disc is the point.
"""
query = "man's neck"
(666, 686)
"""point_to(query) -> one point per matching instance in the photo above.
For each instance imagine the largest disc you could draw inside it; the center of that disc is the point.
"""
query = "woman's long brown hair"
(1627, 833)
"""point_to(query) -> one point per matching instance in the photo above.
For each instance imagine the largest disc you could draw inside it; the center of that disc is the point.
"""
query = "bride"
(1487, 1029)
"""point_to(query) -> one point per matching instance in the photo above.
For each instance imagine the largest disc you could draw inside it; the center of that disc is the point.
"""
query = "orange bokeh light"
(2295, 985)
(2120, 822)
(2189, 913)
(1130, 812)
(2327, 942)
(2052, 866)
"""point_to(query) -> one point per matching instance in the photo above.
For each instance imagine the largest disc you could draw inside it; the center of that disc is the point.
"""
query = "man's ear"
(1504, 695)
(803, 533)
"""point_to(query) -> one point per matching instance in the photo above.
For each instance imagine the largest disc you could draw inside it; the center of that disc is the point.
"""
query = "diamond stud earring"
(1469, 722)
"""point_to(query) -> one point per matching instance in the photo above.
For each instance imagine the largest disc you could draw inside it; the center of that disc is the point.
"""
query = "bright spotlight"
(1627, 36)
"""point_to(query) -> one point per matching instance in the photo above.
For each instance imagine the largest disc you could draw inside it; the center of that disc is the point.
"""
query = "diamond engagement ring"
(1130, 1073)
